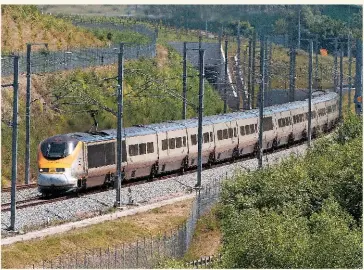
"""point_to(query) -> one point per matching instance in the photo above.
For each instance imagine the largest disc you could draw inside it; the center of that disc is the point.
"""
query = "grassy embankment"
(108, 234)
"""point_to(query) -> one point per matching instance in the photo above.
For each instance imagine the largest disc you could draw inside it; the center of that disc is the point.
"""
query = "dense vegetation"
(304, 213)
(327, 21)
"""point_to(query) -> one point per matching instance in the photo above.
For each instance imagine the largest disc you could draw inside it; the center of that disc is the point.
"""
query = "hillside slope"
(25, 24)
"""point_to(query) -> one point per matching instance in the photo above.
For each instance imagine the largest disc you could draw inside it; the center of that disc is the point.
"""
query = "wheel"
(275, 144)
(153, 173)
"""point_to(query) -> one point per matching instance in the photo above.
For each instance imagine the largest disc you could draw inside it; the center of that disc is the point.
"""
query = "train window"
(252, 128)
(219, 135)
(230, 130)
(329, 109)
(172, 143)
(211, 137)
(247, 130)
(164, 144)
(225, 134)
(267, 123)
(289, 120)
(193, 139)
(179, 142)
(133, 150)
(280, 122)
(206, 137)
(109, 153)
(184, 141)
(150, 147)
(235, 132)
(142, 149)
(256, 127)
(242, 131)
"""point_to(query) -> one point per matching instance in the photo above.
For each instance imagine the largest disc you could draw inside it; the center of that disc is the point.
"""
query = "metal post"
(335, 65)
(184, 81)
(309, 94)
(350, 64)
(269, 65)
(253, 71)
(250, 73)
(341, 83)
(292, 73)
(200, 114)
(226, 75)
(316, 63)
(27, 117)
(238, 84)
(261, 101)
(120, 124)
(200, 41)
(299, 28)
(14, 143)
(358, 75)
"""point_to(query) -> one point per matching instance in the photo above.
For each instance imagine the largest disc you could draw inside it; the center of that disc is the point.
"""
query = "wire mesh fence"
(45, 61)
(147, 252)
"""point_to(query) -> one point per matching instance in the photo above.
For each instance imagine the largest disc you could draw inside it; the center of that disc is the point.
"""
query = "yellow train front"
(60, 164)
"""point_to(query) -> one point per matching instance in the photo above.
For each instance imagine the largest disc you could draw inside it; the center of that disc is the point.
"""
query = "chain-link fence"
(147, 252)
(50, 61)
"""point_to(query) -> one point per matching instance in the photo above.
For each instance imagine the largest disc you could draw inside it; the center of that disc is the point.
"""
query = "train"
(81, 160)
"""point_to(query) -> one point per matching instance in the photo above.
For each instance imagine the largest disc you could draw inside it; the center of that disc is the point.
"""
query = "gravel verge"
(33, 218)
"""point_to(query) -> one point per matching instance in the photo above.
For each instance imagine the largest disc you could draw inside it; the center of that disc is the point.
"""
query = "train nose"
(53, 179)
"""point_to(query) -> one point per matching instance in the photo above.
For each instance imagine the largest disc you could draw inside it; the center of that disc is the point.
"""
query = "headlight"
(43, 170)
(60, 170)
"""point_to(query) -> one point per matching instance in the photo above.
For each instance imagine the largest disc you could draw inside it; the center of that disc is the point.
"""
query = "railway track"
(41, 200)
(19, 187)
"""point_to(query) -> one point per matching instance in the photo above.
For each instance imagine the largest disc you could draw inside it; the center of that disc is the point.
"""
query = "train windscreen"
(54, 149)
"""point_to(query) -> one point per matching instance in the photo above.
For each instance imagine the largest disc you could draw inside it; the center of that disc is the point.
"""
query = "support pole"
(267, 66)
(253, 71)
(14, 148)
(119, 173)
(358, 76)
(226, 75)
(350, 64)
(250, 74)
(200, 114)
(27, 117)
(238, 84)
(317, 64)
(341, 83)
(335, 65)
(292, 72)
(184, 81)
(299, 28)
(310, 64)
(261, 101)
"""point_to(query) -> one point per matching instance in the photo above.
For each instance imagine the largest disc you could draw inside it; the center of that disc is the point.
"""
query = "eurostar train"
(77, 161)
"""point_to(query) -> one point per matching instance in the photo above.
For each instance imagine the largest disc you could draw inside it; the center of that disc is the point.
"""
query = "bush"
(303, 213)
